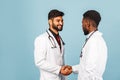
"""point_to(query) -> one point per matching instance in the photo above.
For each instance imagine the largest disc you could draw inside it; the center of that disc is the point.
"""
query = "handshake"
(66, 70)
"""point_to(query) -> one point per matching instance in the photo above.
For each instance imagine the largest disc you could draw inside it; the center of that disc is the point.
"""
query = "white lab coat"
(93, 62)
(48, 60)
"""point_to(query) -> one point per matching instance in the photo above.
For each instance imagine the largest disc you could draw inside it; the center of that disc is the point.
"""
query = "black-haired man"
(94, 52)
(49, 50)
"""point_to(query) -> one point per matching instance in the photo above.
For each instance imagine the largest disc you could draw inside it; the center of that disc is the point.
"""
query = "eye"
(61, 20)
(58, 20)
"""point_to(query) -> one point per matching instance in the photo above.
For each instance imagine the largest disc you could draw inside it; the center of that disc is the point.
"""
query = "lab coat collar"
(87, 36)
(97, 33)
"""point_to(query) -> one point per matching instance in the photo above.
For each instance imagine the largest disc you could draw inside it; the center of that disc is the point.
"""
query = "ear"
(87, 23)
(50, 22)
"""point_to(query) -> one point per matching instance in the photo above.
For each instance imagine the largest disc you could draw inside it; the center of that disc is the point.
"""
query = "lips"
(60, 26)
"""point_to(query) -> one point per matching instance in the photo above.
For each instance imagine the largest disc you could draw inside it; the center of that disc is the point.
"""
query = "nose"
(61, 22)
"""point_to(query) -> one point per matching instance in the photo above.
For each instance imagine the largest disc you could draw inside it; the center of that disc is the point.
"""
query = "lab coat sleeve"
(76, 68)
(40, 57)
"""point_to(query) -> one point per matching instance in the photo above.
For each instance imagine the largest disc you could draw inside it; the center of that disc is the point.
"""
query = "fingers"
(64, 67)
(66, 70)
(69, 67)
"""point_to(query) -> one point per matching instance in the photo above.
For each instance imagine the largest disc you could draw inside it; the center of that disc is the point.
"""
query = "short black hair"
(93, 15)
(55, 13)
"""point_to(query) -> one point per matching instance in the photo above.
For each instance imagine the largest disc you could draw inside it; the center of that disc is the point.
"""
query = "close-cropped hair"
(55, 13)
(93, 15)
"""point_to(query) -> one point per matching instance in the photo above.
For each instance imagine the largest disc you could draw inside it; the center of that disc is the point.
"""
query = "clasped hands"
(66, 70)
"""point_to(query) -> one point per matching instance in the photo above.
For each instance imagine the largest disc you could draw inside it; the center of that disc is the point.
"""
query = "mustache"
(59, 25)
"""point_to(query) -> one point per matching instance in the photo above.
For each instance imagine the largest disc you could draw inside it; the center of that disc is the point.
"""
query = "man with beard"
(94, 52)
(49, 50)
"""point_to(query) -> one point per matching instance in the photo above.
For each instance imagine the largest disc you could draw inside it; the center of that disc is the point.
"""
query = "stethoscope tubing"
(51, 40)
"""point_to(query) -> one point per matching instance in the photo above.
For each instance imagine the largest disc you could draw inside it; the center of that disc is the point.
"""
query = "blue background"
(21, 21)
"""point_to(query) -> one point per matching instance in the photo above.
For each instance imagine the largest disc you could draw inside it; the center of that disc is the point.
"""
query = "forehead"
(83, 20)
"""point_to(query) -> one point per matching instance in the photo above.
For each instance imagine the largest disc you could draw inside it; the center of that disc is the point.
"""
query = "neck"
(93, 29)
(53, 30)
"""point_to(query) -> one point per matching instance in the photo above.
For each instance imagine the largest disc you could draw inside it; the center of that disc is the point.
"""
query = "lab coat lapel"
(57, 45)
(62, 47)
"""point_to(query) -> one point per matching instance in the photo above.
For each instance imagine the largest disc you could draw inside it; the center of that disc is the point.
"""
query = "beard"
(86, 32)
(56, 27)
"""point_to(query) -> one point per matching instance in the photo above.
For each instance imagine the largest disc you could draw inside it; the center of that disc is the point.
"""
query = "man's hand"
(66, 70)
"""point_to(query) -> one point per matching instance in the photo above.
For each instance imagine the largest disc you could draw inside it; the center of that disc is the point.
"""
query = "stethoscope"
(53, 41)
(86, 42)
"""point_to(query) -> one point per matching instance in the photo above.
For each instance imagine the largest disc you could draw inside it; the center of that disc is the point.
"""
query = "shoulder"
(97, 34)
(96, 37)
(41, 37)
